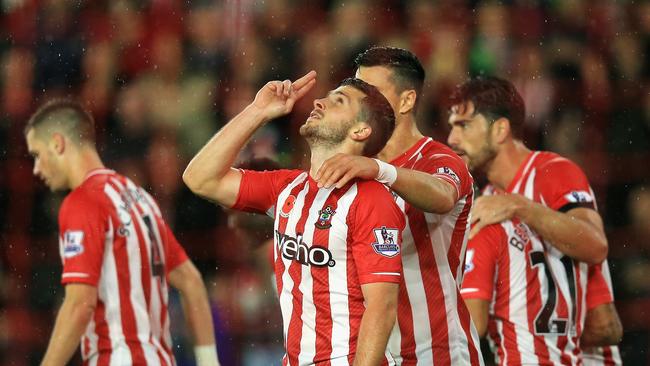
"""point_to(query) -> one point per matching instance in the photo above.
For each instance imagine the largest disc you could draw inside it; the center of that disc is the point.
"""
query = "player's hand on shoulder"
(341, 168)
(277, 98)
(493, 209)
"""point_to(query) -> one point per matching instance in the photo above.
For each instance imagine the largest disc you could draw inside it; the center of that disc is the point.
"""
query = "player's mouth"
(315, 115)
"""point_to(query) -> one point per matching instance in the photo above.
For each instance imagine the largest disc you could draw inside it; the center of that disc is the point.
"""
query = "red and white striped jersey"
(434, 325)
(112, 236)
(537, 295)
(328, 243)
(554, 181)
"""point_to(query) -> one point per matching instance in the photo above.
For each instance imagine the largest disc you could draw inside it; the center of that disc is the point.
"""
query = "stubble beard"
(483, 158)
(320, 136)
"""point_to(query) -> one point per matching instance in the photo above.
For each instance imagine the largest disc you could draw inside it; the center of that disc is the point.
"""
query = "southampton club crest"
(325, 218)
(386, 243)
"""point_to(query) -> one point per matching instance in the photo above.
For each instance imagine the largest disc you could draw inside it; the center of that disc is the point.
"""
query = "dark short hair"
(494, 98)
(69, 116)
(408, 72)
(377, 112)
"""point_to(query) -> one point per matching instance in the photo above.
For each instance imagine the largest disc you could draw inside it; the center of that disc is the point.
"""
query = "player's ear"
(360, 131)
(58, 143)
(501, 130)
(407, 101)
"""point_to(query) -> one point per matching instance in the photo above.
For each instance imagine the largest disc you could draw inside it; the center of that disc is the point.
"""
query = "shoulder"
(283, 175)
(85, 197)
(549, 162)
(492, 234)
(372, 188)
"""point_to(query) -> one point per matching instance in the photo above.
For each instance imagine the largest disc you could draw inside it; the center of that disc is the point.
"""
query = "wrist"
(256, 113)
(521, 207)
(387, 173)
(206, 355)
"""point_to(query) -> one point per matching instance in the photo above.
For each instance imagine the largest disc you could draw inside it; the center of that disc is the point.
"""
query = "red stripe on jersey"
(432, 286)
(454, 259)
(294, 333)
(279, 264)
(320, 289)
(354, 288)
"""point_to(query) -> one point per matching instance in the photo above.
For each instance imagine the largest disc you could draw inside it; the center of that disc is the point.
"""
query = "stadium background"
(162, 76)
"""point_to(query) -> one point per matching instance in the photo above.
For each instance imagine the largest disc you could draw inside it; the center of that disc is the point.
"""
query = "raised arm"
(71, 322)
(209, 174)
(194, 298)
(424, 191)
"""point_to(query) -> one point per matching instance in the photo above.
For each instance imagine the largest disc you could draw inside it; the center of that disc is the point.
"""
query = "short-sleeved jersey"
(434, 325)
(536, 295)
(112, 236)
(327, 244)
(561, 185)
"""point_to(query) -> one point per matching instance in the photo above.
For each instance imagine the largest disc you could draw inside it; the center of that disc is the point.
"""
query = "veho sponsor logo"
(297, 250)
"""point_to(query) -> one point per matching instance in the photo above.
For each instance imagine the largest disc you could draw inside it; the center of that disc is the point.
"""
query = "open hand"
(488, 210)
(341, 168)
(277, 98)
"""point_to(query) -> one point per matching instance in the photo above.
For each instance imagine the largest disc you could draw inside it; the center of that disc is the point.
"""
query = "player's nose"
(453, 139)
(319, 103)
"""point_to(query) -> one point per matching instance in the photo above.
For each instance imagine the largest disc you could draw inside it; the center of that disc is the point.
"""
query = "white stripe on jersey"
(530, 162)
(75, 274)
(308, 339)
(339, 274)
(417, 296)
(109, 293)
(137, 296)
(518, 309)
(442, 228)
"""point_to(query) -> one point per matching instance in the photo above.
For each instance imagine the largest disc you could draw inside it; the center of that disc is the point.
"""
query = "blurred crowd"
(161, 76)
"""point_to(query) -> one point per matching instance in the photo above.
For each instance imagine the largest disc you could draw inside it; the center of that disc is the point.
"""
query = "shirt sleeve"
(481, 261)
(82, 233)
(174, 253)
(259, 190)
(376, 234)
(450, 168)
(599, 289)
(564, 186)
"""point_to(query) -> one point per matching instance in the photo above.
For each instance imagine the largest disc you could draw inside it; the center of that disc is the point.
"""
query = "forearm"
(215, 159)
(377, 322)
(602, 327)
(572, 236)
(71, 322)
(198, 315)
(424, 191)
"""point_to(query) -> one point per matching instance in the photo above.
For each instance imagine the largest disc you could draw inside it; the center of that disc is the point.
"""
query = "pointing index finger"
(304, 80)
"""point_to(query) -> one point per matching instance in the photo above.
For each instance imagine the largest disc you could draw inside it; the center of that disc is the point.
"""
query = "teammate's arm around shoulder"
(427, 192)
(209, 174)
(194, 298)
(76, 311)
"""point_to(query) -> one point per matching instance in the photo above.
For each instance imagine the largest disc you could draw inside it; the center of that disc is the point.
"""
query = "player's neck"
(83, 162)
(505, 165)
(406, 134)
(321, 153)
